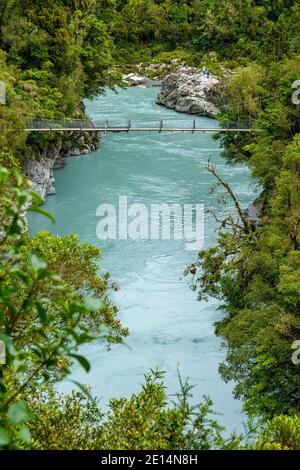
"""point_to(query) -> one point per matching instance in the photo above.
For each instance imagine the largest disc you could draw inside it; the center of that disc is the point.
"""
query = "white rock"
(140, 80)
(187, 90)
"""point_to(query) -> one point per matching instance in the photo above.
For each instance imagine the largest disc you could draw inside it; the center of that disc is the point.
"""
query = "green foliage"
(50, 59)
(147, 420)
(282, 433)
(237, 32)
(51, 302)
(257, 277)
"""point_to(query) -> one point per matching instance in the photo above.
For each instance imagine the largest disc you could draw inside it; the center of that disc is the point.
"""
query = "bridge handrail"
(60, 123)
(168, 124)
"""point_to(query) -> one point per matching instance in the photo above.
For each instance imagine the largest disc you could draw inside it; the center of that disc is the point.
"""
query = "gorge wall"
(44, 157)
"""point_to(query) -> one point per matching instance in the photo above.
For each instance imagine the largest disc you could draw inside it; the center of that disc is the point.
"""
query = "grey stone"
(253, 213)
(133, 79)
(187, 90)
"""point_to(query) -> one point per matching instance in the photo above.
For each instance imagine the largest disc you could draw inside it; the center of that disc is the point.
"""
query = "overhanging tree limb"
(246, 226)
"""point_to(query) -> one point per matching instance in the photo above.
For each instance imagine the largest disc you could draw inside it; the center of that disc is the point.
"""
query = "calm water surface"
(167, 325)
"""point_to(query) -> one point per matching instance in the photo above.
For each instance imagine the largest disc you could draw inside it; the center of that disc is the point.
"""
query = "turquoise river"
(168, 326)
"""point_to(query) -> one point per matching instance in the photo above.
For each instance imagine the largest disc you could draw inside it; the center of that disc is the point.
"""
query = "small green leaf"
(23, 199)
(25, 434)
(18, 413)
(92, 303)
(3, 174)
(38, 210)
(37, 263)
(82, 361)
(43, 314)
(83, 388)
(4, 437)
(10, 348)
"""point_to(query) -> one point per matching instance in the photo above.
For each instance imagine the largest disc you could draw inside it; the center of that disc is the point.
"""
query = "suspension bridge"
(154, 124)
(161, 125)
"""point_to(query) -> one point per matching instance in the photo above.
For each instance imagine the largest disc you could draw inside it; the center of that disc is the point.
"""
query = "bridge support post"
(129, 125)
(249, 117)
(194, 126)
(161, 124)
(105, 126)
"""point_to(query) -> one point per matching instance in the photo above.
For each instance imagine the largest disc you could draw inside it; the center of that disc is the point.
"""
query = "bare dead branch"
(246, 226)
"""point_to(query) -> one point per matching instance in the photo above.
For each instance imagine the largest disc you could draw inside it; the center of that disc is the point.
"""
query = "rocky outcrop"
(44, 157)
(149, 75)
(133, 79)
(187, 90)
(255, 211)
(38, 168)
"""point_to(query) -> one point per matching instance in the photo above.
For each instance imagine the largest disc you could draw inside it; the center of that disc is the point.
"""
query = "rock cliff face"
(44, 157)
(187, 90)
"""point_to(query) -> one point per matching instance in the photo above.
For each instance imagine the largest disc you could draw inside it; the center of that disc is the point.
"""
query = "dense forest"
(52, 56)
